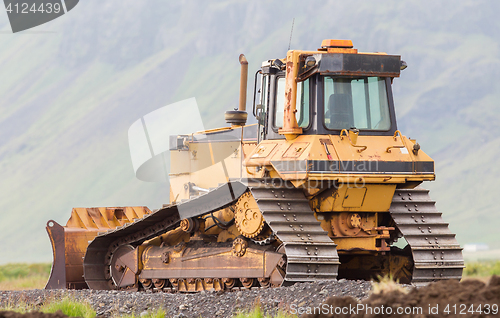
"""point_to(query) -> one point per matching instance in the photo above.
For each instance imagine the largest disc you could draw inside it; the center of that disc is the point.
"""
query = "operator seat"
(340, 112)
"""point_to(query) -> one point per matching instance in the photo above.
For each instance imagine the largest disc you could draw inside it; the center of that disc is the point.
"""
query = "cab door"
(263, 108)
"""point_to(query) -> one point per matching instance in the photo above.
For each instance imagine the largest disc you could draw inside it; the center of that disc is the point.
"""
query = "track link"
(436, 252)
(311, 254)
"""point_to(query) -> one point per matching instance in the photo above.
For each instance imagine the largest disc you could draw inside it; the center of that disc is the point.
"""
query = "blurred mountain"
(71, 88)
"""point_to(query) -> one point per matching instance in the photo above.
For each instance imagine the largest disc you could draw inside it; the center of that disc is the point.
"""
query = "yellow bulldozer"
(323, 186)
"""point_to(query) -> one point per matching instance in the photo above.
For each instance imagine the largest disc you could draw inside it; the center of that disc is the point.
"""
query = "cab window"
(303, 112)
(356, 103)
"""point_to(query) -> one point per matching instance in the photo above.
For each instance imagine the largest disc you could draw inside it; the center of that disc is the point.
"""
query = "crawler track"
(311, 254)
(436, 253)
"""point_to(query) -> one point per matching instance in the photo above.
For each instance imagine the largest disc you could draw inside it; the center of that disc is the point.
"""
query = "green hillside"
(71, 88)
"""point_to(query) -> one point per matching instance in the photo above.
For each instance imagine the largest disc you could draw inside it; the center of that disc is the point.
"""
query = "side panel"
(206, 161)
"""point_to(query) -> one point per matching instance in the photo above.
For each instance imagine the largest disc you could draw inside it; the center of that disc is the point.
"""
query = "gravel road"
(205, 304)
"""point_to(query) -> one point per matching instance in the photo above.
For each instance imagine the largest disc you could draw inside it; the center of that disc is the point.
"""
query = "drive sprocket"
(248, 218)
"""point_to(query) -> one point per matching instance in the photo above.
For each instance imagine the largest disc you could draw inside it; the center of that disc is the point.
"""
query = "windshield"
(356, 103)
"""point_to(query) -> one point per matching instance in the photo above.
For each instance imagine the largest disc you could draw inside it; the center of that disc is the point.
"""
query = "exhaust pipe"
(243, 82)
(239, 117)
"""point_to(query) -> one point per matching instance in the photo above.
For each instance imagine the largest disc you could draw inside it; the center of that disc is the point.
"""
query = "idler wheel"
(118, 269)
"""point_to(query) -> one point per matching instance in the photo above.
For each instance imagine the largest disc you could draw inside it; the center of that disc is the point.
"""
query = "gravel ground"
(204, 304)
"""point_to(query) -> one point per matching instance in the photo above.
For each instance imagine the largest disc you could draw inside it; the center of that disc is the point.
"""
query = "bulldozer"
(323, 186)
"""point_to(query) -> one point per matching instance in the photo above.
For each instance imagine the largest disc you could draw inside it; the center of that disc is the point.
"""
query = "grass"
(19, 307)
(70, 307)
(257, 313)
(19, 276)
(158, 313)
(482, 269)
(35, 282)
(386, 284)
(67, 306)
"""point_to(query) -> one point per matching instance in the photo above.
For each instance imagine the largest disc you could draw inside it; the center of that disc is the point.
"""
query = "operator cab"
(330, 100)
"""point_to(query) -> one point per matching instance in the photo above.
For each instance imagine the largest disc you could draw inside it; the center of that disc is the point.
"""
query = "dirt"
(469, 298)
(11, 314)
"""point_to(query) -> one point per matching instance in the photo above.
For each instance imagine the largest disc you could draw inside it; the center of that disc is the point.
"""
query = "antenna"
(291, 32)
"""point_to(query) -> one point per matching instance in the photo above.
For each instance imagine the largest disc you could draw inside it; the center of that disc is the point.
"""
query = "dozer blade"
(57, 279)
(69, 243)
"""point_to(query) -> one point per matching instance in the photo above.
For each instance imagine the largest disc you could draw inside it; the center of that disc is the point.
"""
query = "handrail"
(255, 92)
(350, 141)
(389, 148)
(395, 139)
(396, 135)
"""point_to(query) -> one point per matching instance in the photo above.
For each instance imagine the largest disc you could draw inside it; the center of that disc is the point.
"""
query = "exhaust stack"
(243, 82)
(239, 117)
